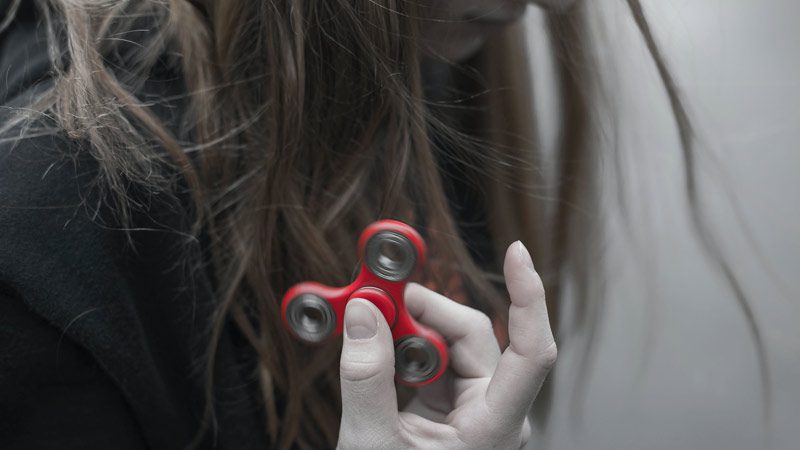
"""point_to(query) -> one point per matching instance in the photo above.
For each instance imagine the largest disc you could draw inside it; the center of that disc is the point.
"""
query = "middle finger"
(474, 351)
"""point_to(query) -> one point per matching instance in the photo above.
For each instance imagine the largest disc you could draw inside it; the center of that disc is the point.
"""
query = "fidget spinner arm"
(391, 253)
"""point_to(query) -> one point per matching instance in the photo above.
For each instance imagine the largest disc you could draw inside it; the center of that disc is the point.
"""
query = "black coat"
(102, 344)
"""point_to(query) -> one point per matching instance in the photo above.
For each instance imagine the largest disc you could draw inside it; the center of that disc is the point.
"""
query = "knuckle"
(547, 357)
(537, 285)
(482, 322)
(360, 371)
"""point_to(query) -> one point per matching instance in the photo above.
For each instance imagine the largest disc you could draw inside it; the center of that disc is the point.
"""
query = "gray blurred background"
(675, 367)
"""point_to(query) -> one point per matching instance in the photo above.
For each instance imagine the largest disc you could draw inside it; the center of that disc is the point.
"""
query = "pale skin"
(483, 400)
(456, 29)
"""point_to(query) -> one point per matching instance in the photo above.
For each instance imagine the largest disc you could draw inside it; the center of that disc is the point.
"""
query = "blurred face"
(458, 28)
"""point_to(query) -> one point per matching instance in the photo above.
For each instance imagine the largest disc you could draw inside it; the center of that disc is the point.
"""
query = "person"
(169, 168)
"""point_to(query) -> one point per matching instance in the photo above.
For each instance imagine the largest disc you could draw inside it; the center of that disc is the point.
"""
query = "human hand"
(482, 401)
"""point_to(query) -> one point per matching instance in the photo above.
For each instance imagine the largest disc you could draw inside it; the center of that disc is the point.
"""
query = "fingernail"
(359, 320)
(524, 255)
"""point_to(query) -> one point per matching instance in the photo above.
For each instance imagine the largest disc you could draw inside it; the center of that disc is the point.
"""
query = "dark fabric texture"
(102, 343)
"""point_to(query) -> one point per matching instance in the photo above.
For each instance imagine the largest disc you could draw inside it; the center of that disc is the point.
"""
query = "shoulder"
(45, 178)
(62, 248)
(71, 266)
(45, 196)
(41, 173)
(134, 300)
(138, 313)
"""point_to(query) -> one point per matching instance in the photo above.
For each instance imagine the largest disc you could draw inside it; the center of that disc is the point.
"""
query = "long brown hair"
(307, 120)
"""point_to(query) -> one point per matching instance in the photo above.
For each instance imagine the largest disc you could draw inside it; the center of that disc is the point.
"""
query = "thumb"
(369, 401)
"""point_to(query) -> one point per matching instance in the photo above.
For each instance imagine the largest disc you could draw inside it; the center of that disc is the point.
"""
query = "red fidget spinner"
(391, 253)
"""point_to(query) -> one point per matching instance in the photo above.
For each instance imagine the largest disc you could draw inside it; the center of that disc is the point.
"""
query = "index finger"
(531, 353)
